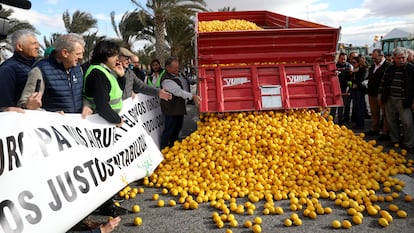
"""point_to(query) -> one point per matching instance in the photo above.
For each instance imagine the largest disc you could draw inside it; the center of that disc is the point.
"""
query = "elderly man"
(61, 79)
(397, 95)
(375, 74)
(174, 110)
(13, 72)
(131, 84)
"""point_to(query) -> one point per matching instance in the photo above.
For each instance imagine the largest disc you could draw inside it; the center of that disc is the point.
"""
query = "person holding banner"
(55, 83)
(13, 71)
(174, 110)
(101, 86)
(107, 227)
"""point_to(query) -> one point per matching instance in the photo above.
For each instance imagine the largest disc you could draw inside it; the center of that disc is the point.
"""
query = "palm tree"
(135, 25)
(226, 8)
(163, 10)
(80, 22)
(180, 34)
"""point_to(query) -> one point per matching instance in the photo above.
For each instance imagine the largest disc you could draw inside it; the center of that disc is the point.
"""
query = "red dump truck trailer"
(288, 64)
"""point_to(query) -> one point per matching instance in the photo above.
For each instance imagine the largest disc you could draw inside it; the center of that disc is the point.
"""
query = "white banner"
(56, 169)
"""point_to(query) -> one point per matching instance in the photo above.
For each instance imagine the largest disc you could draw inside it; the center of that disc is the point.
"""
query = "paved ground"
(177, 220)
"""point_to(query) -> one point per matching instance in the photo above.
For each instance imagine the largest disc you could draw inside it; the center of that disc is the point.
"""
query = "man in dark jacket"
(174, 109)
(375, 74)
(397, 95)
(61, 79)
(344, 70)
(13, 72)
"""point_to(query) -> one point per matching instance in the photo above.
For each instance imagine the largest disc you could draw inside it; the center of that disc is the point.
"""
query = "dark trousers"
(358, 107)
(172, 128)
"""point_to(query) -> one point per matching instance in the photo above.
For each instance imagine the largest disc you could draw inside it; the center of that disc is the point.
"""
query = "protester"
(154, 77)
(375, 74)
(131, 84)
(135, 67)
(96, 227)
(397, 94)
(13, 71)
(345, 70)
(358, 91)
(410, 57)
(101, 86)
(174, 110)
(61, 79)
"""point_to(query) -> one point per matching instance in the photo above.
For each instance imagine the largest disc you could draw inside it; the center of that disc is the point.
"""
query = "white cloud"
(359, 25)
(51, 22)
(390, 8)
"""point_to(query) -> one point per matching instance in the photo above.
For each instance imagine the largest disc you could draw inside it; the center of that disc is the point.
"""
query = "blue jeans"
(172, 128)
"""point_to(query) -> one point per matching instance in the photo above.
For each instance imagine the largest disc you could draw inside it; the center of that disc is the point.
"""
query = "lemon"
(172, 203)
(287, 222)
(402, 214)
(383, 222)
(155, 196)
(297, 221)
(137, 221)
(257, 220)
(357, 219)
(336, 224)
(256, 228)
(346, 224)
(135, 208)
(234, 223)
(161, 203)
(248, 224)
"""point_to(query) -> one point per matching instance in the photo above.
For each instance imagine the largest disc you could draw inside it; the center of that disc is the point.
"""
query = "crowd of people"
(388, 85)
(60, 82)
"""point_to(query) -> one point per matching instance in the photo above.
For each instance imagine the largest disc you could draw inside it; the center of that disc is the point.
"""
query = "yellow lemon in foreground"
(248, 224)
(256, 228)
(135, 209)
(287, 222)
(402, 214)
(137, 221)
(383, 222)
(336, 224)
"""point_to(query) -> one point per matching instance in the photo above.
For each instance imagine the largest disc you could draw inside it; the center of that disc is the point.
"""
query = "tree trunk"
(160, 39)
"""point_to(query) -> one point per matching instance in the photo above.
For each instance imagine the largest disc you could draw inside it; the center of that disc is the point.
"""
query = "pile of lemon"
(226, 25)
(297, 155)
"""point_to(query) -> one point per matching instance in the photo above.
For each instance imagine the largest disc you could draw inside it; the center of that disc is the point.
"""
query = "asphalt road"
(178, 220)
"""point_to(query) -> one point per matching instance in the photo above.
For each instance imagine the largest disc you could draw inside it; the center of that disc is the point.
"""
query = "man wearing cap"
(131, 84)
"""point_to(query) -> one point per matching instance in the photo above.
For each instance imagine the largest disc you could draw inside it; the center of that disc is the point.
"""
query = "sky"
(360, 20)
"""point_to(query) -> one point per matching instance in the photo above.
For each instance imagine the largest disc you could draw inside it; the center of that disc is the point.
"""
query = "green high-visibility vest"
(158, 84)
(115, 94)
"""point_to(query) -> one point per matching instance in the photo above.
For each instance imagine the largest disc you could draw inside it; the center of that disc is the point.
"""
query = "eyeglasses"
(354, 62)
